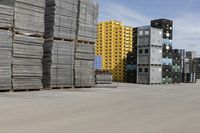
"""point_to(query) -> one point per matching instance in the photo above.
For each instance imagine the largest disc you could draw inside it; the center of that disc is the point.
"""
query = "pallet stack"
(103, 77)
(59, 46)
(58, 62)
(29, 17)
(27, 45)
(70, 35)
(87, 20)
(176, 66)
(84, 65)
(61, 19)
(196, 67)
(149, 55)
(6, 24)
(5, 59)
(27, 62)
(167, 38)
(85, 46)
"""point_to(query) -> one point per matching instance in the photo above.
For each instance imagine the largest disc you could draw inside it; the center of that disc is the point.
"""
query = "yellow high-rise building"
(113, 43)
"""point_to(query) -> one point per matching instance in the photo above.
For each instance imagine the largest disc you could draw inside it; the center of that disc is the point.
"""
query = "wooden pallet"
(29, 34)
(24, 90)
(59, 39)
(55, 87)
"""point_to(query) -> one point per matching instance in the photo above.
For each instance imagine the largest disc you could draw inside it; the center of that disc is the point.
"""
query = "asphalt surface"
(127, 109)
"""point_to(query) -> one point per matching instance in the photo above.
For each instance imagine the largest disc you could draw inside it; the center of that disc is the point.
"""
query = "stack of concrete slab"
(6, 16)
(27, 44)
(87, 20)
(29, 17)
(27, 62)
(58, 63)
(5, 59)
(103, 77)
(84, 65)
(61, 18)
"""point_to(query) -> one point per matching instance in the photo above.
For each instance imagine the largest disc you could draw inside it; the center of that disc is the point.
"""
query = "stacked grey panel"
(29, 17)
(87, 20)
(27, 62)
(84, 65)
(61, 18)
(103, 79)
(149, 55)
(6, 17)
(5, 59)
(58, 63)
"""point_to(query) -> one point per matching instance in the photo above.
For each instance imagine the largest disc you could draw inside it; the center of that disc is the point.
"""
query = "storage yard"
(58, 64)
(129, 108)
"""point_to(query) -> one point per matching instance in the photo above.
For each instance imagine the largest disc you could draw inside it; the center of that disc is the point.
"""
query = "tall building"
(114, 41)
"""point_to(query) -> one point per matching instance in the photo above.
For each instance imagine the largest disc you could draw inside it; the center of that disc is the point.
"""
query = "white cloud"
(187, 32)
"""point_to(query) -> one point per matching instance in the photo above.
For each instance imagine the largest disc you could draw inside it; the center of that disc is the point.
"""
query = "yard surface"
(127, 109)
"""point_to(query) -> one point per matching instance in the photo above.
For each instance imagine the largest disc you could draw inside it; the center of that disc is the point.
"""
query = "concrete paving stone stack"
(6, 24)
(61, 18)
(6, 16)
(87, 20)
(5, 59)
(29, 17)
(84, 65)
(27, 62)
(103, 77)
(28, 40)
(58, 63)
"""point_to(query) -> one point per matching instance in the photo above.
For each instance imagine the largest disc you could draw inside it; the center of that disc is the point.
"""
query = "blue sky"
(185, 13)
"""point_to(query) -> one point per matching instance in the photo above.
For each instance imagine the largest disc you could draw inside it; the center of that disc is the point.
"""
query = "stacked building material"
(6, 16)
(27, 44)
(27, 62)
(59, 47)
(84, 65)
(6, 24)
(5, 59)
(29, 17)
(61, 18)
(67, 23)
(167, 27)
(149, 55)
(87, 20)
(85, 43)
(103, 77)
(58, 62)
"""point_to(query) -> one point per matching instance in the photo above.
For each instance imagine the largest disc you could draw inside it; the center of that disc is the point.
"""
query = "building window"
(146, 32)
(146, 70)
(141, 33)
(146, 51)
(140, 51)
(140, 70)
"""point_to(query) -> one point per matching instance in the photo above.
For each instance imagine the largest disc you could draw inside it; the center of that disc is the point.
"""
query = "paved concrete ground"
(126, 109)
